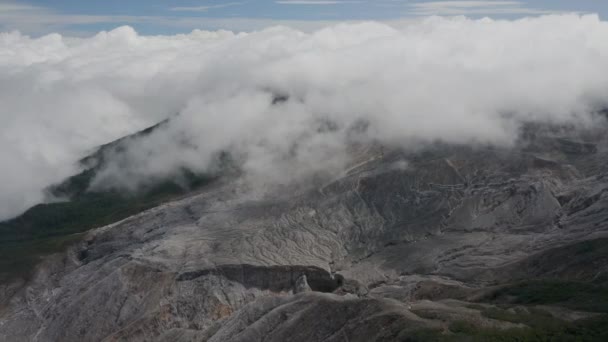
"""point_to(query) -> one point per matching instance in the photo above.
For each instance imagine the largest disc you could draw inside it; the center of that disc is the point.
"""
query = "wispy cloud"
(205, 8)
(36, 20)
(472, 7)
(315, 2)
(44, 23)
(11, 6)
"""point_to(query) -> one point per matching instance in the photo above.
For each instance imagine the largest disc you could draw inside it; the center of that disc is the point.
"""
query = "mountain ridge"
(443, 243)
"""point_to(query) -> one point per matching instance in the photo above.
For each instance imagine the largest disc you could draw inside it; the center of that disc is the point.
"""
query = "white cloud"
(205, 8)
(455, 80)
(36, 20)
(13, 7)
(472, 7)
(315, 2)
(35, 23)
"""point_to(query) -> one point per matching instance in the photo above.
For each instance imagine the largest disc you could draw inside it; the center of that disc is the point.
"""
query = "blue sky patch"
(80, 17)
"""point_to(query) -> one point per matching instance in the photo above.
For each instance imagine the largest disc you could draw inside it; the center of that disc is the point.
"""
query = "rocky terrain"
(438, 243)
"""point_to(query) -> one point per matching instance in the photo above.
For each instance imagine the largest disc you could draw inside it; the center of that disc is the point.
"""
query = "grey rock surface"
(301, 285)
(340, 261)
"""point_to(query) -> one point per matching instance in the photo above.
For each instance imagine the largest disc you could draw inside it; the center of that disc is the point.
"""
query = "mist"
(287, 103)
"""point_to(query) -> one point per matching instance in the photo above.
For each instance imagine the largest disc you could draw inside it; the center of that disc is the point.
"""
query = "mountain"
(74, 208)
(439, 243)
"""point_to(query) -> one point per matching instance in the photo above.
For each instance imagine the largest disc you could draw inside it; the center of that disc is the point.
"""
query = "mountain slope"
(443, 243)
(50, 227)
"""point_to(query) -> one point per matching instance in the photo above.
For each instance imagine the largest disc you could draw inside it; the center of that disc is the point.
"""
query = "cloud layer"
(454, 7)
(455, 80)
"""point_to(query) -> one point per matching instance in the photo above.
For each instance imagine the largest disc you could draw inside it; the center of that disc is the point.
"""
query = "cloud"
(35, 20)
(36, 23)
(315, 2)
(287, 104)
(205, 8)
(472, 7)
(13, 6)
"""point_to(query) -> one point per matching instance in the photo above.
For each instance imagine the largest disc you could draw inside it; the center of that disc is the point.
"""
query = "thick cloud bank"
(286, 102)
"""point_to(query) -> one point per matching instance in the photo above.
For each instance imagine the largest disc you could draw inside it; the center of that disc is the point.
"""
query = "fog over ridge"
(451, 79)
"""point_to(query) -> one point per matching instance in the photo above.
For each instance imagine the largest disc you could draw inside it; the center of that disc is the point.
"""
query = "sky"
(82, 18)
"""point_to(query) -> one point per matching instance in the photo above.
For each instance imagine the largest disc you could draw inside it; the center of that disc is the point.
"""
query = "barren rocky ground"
(438, 243)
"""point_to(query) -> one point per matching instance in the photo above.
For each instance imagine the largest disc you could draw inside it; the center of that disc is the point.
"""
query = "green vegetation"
(536, 324)
(582, 261)
(50, 228)
(476, 307)
(532, 317)
(572, 295)
(547, 330)
(427, 314)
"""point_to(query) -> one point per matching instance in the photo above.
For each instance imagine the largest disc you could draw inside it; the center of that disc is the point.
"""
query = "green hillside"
(51, 227)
